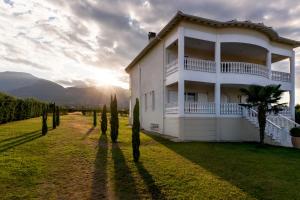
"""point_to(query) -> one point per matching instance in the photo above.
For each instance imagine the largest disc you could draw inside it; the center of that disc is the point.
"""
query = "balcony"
(281, 76)
(226, 109)
(172, 67)
(194, 64)
(199, 65)
(244, 68)
(200, 107)
(231, 109)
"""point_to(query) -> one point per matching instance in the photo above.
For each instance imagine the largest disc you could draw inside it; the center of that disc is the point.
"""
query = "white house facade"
(188, 79)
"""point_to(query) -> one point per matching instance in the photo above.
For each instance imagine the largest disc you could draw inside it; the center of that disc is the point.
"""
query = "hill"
(26, 85)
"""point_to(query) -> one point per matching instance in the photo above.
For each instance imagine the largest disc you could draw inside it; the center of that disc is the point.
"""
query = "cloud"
(26, 62)
(9, 2)
(87, 41)
(77, 83)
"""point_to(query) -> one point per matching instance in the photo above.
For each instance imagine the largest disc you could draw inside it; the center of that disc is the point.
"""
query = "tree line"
(14, 109)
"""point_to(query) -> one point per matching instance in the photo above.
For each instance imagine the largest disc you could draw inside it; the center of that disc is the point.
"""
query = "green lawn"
(75, 162)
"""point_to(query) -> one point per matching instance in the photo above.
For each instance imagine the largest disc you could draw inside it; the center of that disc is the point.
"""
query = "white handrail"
(172, 67)
(171, 108)
(199, 107)
(271, 129)
(291, 121)
(281, 76)
(199, 65)
(244, 68)
(231, 109)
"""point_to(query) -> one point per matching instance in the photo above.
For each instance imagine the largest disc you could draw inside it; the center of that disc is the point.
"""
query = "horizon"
(89, 43)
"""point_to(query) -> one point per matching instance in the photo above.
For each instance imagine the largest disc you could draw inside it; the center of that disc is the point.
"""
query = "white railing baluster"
(199, 107)
(200, 65)
(172, 67)
(281, 76)
(244, 68)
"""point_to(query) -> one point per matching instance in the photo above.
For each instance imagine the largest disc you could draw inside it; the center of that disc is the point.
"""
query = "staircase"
(277, 127)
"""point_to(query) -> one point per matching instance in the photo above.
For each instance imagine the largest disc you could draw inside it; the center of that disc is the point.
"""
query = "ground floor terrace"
(210, 99)
(75, 161)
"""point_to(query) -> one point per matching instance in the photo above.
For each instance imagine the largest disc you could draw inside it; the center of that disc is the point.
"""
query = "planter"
(296, 142)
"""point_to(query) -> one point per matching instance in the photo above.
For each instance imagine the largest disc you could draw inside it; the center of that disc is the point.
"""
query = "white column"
(218, 98)
(218, 71)
(269, 63)
(292, 91)
(180, 71)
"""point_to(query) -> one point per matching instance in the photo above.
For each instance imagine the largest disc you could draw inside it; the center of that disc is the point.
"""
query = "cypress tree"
(103, 120)
(136, 132)
(53, 116)
(95, 118)
(57, 116)
(44, 122)
(114, 122)
(117, 116)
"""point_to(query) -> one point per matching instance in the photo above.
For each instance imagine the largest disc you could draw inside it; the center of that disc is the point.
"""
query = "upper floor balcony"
(230, 63)
(199, 65)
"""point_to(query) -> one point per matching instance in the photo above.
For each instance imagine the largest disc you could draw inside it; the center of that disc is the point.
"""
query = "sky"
(90, 42)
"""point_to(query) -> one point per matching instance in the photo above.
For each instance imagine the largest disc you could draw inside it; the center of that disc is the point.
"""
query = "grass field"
(75, 161)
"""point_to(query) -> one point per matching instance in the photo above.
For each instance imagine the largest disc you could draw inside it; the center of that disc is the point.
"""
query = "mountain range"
(26, 85)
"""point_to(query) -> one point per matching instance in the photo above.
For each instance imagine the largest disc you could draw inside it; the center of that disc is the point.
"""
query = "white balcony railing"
(199, 65)
(195, 64)
(171, 108)
(281, 76)
(231, 109)
(244, 68)
(172, 67)
(199, 107)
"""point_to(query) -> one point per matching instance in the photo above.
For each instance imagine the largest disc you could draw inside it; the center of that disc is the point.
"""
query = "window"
(153, 99)
(145, 101)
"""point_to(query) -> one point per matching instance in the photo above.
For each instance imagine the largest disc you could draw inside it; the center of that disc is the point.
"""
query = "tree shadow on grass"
(125, 187)
(88, 133)
(19, 136)
(152, 187)
(99, 187)
(9, 143)
(244, 165)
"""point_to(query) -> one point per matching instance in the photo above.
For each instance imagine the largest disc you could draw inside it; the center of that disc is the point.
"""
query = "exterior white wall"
(149, 71)
(214, 129)
(172, 126)
(134, 90)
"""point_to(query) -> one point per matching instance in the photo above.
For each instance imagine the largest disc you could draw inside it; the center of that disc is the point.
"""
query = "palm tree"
(266, 100)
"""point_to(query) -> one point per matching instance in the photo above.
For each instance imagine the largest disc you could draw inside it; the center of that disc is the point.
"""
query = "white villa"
(188, 79)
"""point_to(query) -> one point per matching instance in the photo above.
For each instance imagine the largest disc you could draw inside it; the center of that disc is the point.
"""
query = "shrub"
(13, 109)
(53, 116)
(104, 120)
(95, 118)
(57, 116)
(114, 120)
(136, 132)
(297, 116)
(44, 122)
(295, 132)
